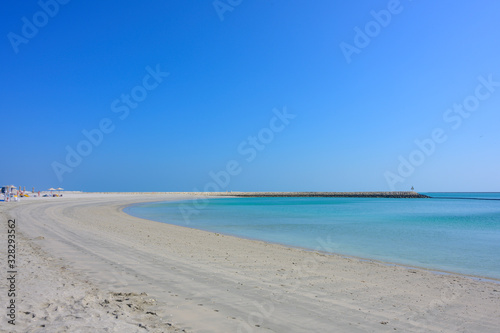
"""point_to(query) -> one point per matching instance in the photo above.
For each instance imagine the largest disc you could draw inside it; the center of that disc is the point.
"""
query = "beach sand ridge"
(84, 261)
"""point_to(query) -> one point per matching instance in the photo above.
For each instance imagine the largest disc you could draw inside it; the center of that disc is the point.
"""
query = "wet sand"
(84, 265)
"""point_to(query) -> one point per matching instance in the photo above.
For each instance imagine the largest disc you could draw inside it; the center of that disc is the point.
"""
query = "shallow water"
(457, 235)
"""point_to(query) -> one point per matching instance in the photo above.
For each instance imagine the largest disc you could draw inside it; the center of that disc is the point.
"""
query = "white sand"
(85, 266)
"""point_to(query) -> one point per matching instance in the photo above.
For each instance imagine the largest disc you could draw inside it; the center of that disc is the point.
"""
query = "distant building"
(9, 189)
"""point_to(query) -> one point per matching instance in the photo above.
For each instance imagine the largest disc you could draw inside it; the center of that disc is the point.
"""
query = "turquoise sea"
(455, 232)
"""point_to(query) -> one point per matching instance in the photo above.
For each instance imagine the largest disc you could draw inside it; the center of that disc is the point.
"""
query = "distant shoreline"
(325, 194)
(398, 194)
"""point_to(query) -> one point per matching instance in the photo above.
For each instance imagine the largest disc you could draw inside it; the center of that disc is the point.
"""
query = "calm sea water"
(457, 232)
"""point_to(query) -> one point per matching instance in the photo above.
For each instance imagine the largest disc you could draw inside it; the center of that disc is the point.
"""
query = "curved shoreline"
(381, 261)
(342, 255)
(204, 281)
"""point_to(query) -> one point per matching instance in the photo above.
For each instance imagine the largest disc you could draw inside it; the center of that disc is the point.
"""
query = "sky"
(239, 95)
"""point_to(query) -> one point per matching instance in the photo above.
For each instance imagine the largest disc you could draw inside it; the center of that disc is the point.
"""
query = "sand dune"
(84, 266)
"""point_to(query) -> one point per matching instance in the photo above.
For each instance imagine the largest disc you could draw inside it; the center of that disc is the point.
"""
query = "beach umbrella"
(51, 189)
(60, 189)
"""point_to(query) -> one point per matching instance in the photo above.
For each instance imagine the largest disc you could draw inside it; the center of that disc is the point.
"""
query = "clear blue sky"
(355, 84)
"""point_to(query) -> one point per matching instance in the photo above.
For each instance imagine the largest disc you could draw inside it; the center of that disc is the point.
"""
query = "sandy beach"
(85, 266)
